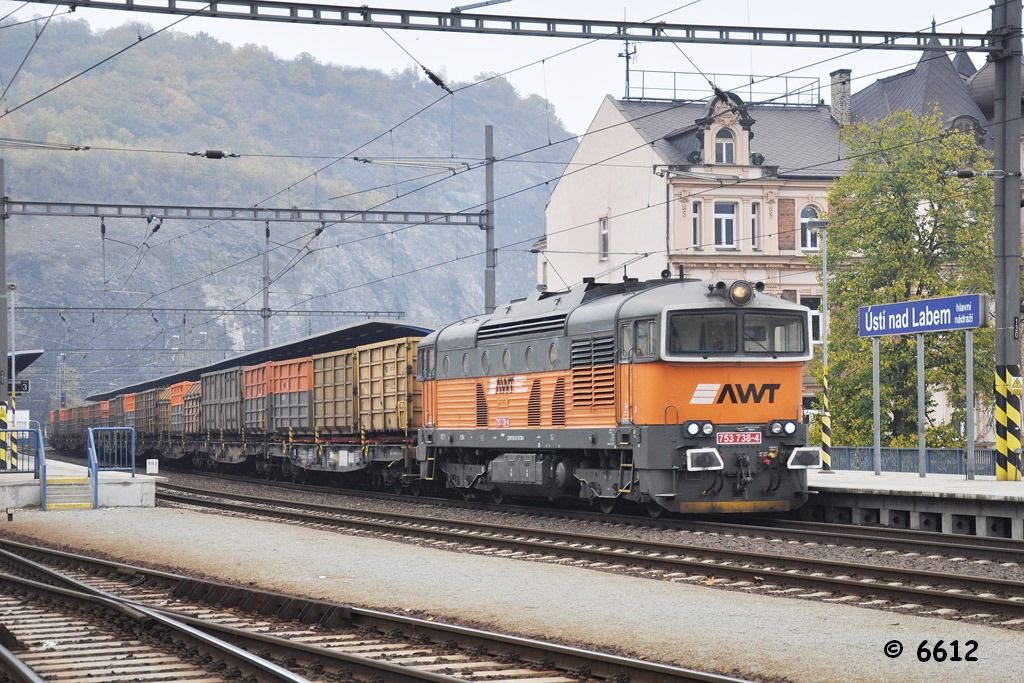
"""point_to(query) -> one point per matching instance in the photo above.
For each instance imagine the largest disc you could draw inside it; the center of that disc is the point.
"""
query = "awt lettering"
(747, 393)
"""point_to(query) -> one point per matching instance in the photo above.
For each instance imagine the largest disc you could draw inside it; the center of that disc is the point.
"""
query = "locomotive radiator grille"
(533, 409)
(593, 372)
(558, 403)
(481, 406)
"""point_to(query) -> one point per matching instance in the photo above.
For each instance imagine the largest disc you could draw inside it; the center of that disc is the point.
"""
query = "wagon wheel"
(396, 485)
(416, 488)
(605, 505)
(497, 496)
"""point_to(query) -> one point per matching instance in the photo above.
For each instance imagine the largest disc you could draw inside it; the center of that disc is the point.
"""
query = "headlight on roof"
(740, 293)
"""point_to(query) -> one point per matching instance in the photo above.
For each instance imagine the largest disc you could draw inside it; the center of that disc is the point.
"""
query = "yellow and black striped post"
(826, 426)
(5, 463)
(14, 435)
(1008, 466)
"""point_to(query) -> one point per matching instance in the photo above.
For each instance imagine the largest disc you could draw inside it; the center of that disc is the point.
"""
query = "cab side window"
(638, 339)
(626, 341)
(646, 339)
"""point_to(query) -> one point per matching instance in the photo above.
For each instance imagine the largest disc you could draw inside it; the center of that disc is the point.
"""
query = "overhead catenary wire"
(595, 39)
(100, 63)
(24, 59)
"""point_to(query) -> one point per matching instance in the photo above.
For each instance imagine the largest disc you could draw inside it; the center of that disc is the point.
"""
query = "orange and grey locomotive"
(677, 395)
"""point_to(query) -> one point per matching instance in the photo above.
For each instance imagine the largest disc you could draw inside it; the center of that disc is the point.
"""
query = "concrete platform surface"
(761, 636)
(116, 489)
(911, 484)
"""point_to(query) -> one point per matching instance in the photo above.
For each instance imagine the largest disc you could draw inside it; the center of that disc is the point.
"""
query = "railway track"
(321, 640)
(944, 594)
(775, 529)
(63, 633)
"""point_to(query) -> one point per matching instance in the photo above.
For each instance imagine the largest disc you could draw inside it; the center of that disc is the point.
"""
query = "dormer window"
(725, 147)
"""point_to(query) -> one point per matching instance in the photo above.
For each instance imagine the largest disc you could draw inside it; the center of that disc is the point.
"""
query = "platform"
(116, 489)
(944, 503)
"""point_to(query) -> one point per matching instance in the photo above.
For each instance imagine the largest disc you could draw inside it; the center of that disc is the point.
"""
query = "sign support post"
(875, 409)
(922, 465)
(970, 404)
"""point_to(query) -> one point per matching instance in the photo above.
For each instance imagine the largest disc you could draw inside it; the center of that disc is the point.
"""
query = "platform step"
(69, 506)
(63, 481)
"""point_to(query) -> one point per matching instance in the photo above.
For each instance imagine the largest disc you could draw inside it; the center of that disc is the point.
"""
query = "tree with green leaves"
(901, 227)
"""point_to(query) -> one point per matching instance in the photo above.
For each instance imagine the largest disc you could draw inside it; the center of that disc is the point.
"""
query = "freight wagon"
(350, 411)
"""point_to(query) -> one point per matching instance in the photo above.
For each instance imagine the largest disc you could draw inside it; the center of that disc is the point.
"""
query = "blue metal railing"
(110, 449)
(21, 451)
(30, 456)
(937, 460)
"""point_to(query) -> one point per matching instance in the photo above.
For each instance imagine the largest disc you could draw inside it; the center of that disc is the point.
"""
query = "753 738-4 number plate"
(736, 438)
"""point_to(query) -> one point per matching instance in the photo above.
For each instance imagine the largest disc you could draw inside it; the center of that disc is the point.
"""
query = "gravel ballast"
(678, 623)
(1011, 571)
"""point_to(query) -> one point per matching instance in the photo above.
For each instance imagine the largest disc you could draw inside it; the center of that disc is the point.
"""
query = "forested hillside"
(175, 94)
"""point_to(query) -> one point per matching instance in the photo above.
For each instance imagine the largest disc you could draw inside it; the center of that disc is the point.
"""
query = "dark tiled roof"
(933, 82)
(800, 141)
(964, 65)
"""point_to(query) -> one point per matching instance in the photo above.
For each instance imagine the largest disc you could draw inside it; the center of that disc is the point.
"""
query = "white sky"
(576, 82)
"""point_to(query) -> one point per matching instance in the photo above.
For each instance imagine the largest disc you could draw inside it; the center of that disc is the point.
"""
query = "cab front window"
(774, 333)
(704, 333)
(745, 333)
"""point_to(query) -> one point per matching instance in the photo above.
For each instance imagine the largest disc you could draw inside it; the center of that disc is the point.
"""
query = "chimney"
(841, 95)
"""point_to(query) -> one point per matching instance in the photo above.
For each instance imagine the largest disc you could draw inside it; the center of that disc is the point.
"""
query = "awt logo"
(707, 394)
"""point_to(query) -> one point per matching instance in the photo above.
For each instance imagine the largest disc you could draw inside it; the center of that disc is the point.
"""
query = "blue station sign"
(965, 312)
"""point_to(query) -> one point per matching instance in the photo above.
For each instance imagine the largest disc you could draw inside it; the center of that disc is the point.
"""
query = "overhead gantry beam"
(13, 207)
(503, 24)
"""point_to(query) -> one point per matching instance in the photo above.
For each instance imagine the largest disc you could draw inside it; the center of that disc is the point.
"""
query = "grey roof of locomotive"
(592, 308)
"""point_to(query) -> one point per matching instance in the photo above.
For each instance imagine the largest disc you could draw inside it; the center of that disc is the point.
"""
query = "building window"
(724, 147)
(813, 303)
(696, 225)
(725, 225)
(808, 236)
(755, 216)
(602, 235)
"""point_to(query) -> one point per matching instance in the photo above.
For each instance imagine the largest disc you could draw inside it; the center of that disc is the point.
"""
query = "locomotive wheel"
(605, 505)
(654, 511)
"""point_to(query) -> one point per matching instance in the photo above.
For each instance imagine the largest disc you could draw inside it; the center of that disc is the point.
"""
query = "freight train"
(671, 394)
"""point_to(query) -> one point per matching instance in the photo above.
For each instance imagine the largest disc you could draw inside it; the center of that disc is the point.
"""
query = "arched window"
(808, 235)
(724, 147)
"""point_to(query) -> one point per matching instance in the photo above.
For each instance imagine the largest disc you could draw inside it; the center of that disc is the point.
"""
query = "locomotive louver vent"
(558, 403)
(533, 410)
(481, 406)
(597, 351)
(593, 372)
(514, 328)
